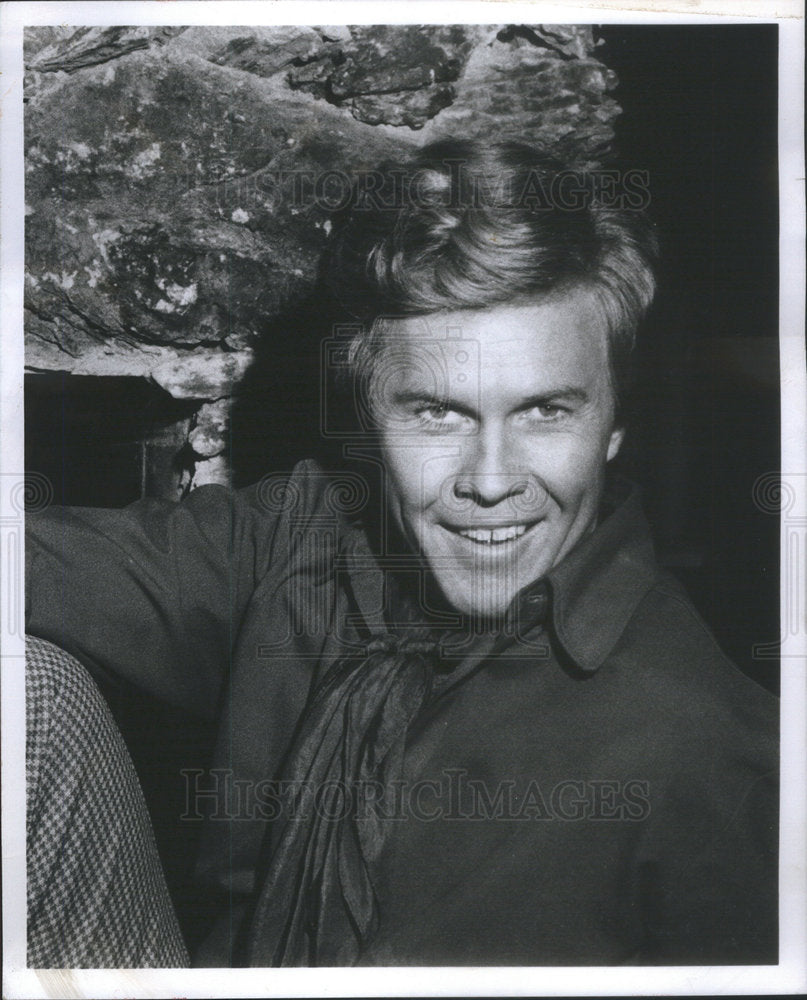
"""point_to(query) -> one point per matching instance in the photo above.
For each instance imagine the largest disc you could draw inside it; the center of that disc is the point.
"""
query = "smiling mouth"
(502, 535)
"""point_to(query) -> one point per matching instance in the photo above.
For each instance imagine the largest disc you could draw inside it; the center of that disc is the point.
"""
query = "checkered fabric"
(96, 892)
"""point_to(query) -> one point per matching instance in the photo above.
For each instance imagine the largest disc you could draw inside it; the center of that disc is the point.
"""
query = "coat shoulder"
(680, 672)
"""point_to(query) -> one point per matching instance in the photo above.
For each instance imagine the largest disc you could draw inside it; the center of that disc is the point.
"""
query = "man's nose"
(490, 472)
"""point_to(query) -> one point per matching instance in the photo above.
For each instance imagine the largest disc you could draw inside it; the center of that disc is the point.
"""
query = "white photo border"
(790, 976)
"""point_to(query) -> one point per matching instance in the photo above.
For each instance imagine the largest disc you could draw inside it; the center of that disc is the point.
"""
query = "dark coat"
(594, 784)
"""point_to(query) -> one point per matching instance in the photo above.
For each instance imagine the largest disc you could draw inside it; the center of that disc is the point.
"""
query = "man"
(463, 716)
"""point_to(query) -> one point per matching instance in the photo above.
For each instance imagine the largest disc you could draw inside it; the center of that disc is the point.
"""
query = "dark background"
(700, 115)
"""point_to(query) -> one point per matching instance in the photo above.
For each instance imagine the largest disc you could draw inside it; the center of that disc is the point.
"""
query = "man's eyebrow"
(408, 397)
(557, 394)
(422, 396)
(561, 393)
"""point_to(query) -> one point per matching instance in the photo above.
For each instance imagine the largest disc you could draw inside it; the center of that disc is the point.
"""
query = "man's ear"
(615, 442)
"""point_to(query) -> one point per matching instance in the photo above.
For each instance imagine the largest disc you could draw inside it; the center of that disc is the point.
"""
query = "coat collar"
(595, 590)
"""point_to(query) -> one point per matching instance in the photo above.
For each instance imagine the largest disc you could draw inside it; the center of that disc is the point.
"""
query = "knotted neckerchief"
(317, 904)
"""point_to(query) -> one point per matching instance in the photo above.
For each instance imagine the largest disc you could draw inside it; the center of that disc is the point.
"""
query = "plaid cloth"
(96, 892)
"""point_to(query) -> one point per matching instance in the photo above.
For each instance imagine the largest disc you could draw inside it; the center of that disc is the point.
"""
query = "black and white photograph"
(409, 499)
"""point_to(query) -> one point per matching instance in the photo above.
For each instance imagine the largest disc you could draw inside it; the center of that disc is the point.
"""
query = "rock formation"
(179, 180)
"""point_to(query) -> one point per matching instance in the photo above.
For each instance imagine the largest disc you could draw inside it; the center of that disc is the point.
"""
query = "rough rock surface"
(172, 201)
(527, 84)
(209, 435)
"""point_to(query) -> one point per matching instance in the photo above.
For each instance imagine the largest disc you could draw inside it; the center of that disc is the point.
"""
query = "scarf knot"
(393, 644)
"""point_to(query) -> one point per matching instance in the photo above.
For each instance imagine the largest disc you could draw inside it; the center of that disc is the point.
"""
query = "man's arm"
(153, 593)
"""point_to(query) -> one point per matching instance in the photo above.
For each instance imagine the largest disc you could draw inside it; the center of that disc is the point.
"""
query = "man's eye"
(440, 418)
(544, 413)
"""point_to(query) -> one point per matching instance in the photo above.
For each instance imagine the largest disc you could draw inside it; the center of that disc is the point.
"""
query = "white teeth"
(494, 536)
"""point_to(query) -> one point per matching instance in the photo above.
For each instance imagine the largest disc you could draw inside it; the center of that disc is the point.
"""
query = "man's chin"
(480, 606)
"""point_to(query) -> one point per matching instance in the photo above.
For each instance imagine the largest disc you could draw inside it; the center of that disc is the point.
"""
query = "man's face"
(496, 427)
